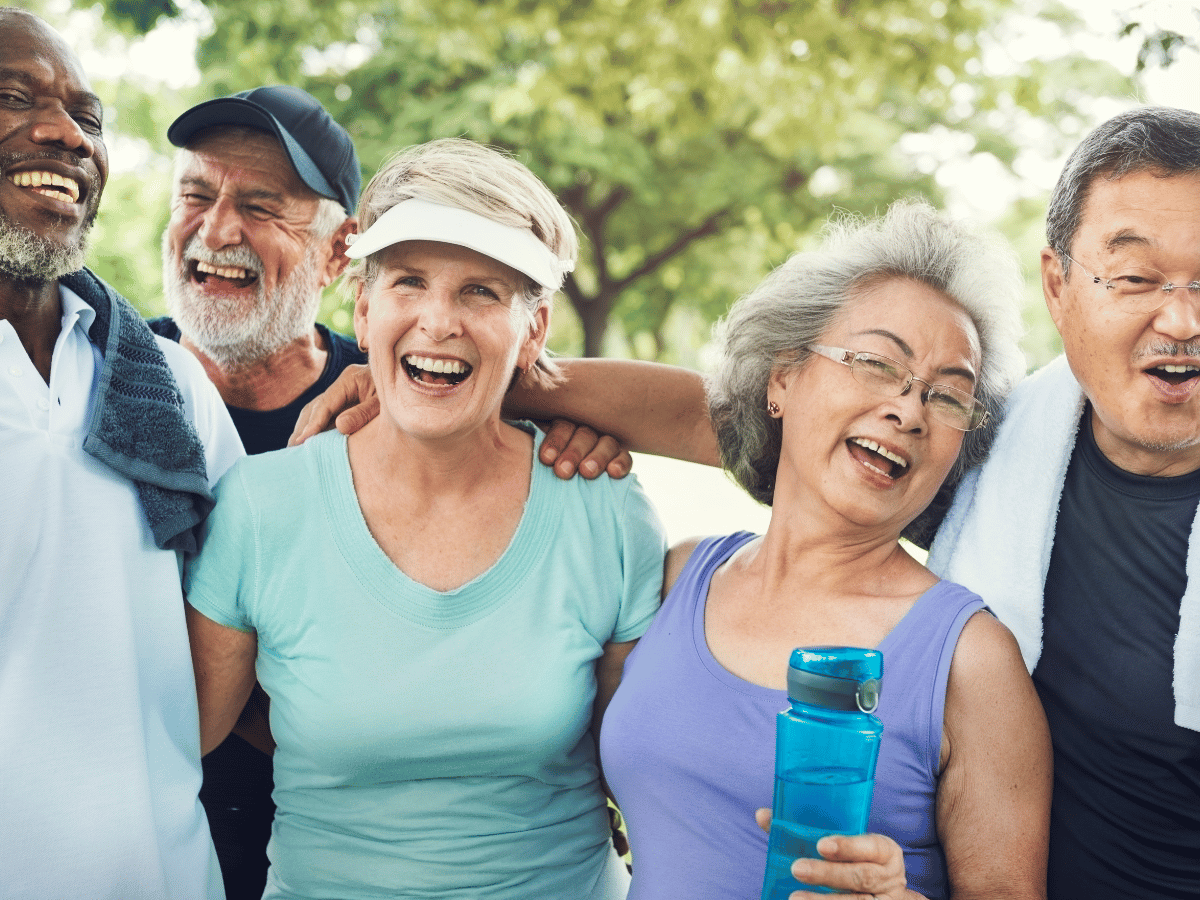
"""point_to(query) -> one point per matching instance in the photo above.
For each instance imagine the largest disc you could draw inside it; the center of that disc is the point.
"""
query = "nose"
(907, 410)
(221, 225)
(441, 315)
(54, 126)
(1179, 317)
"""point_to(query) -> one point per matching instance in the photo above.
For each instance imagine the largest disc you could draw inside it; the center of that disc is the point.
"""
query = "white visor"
(420, 220)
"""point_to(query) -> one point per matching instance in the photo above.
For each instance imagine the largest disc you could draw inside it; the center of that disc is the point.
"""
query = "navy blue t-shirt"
(269, 430)
(1125, 820)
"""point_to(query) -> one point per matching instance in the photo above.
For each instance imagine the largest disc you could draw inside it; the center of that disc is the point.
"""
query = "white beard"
(27, 256)
(239, 332)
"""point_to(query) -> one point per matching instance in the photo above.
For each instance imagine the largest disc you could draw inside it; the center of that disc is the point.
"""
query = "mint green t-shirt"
(430, 744)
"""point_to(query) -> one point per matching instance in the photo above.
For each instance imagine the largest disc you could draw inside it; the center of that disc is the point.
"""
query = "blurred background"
(696, 143)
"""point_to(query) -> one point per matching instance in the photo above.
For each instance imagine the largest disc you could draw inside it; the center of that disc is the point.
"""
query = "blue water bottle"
(826, 745)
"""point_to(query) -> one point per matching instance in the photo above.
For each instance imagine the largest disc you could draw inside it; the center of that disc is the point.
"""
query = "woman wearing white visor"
(438, 621)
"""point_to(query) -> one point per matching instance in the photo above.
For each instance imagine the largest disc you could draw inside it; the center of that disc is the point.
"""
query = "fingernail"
(590, 468)
(565, 469)
(801, 868)
(549, 454)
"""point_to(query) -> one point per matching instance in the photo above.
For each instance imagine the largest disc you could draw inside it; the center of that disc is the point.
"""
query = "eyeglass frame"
(849, 357)
(1166, 287)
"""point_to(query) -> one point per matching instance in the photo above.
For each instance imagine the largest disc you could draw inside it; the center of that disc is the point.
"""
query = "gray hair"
(483, 180)
(798, 302)
(1158, 139)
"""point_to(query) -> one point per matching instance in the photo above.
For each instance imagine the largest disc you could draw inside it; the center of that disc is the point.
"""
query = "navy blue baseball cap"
(320, 149)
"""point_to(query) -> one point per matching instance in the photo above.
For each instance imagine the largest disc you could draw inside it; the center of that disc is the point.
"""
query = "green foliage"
(139, 16)
(697, 143)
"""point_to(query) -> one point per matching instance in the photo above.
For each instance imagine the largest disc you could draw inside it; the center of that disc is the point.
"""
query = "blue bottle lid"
(840, 678)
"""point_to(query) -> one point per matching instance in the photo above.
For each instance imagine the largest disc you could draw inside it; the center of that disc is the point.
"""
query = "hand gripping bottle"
(826, 745)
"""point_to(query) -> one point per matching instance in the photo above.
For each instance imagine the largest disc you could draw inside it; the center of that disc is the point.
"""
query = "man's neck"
(34, 310)
(271, 383)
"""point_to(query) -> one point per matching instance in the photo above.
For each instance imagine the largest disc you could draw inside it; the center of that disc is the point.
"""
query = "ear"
(338, 260)
(778, 384)
(360, 314)
(1053, 285)
(535, 341)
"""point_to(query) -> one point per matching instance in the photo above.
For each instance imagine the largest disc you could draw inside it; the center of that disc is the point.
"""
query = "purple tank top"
(688, 748)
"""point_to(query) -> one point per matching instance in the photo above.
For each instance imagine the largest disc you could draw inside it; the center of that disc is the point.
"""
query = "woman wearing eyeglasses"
(855, 384)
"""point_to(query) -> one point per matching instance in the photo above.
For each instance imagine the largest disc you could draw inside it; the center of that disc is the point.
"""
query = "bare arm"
(647, 407)
(223, 659)
(993, 807)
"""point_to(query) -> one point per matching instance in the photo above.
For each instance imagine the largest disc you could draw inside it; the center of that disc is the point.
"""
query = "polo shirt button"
(14, 371)
(43, 404)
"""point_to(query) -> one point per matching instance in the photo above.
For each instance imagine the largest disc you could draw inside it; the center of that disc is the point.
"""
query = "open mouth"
(427, 370)
(882, 460)
(233, 276)
(1175, 374)
(48, 184)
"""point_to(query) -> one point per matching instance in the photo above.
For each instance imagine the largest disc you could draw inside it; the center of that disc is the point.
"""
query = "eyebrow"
(908, 353)
(242, 194)
(1126, 238)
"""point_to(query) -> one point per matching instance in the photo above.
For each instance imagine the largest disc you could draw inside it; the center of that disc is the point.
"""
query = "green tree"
(695, 142)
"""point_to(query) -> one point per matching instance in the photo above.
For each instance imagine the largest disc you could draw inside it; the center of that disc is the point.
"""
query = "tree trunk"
(593, 315)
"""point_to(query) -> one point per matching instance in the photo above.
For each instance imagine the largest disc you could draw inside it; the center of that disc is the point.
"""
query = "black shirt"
(1125, 820)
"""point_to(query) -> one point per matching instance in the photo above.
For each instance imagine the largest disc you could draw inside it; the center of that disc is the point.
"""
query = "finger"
(621, 465)
(356, 417)
(558, 436)
(763, 818)
(605, 451)
(573, 457)
(869, 864)
(353, 384)
(873, 848)
(310, 422)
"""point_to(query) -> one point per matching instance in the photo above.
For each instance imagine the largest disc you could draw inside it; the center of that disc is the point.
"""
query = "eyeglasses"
(1140, 289)
(885, 376)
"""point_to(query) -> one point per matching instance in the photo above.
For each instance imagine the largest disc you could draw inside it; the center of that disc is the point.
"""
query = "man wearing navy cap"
(263, 196)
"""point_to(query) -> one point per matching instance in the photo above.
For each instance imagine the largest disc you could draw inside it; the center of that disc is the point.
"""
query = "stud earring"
(773, 408)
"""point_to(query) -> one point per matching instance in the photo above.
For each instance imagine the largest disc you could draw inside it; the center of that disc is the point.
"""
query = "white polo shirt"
(99, 739)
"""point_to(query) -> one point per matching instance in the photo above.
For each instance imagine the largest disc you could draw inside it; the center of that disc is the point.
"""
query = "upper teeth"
(886, 454)
(1177, 370)
(231, 272)
(444, 366)
(53, 179)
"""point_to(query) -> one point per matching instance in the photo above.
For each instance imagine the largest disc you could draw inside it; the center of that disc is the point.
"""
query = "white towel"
(997, 536)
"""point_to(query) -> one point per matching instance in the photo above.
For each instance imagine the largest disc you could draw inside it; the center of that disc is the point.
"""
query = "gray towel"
(137, 426)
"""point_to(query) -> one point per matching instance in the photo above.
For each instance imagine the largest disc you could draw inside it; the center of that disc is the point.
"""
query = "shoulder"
(164, 326)
(677, 558)
(987, 655)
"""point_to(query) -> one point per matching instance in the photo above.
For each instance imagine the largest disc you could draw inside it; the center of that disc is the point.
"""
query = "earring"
(773, 408)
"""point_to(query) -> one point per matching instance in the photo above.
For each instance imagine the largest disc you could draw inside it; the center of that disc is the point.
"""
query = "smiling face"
(242, 269)
(1139, 370)
(863, 458)
(445, 328)
(53, 159)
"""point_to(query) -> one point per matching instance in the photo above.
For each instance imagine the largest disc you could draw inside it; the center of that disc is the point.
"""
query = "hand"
(570, 448)
(863, 866)
(349, 403)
